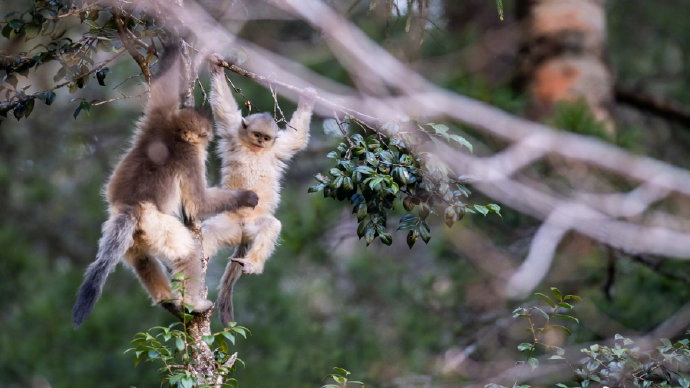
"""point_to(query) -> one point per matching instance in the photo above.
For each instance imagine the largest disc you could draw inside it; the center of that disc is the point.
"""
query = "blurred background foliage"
(393, 316)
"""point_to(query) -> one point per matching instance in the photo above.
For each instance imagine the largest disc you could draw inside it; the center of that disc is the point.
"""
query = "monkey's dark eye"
(267, 138)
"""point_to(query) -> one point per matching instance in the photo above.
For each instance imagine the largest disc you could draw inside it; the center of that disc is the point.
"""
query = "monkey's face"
(192, 127)
(258, 131)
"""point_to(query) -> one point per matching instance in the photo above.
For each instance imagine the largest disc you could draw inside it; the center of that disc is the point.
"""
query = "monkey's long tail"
(117, 238)
(233, 271)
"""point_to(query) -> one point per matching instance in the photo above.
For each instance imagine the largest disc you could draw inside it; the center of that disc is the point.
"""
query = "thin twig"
(129, 45)
(267, 82)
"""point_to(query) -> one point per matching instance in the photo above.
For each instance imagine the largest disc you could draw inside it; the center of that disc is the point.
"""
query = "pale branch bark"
(130, 43)
(500, 178)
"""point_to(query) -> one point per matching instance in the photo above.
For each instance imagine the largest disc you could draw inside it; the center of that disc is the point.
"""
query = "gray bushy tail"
(232, 273)
(117, 238)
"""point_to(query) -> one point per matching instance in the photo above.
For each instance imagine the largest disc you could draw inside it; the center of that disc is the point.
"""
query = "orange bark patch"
(554, 81)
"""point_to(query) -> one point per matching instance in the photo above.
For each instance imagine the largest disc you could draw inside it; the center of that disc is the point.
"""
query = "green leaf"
(85, 105)
(408, 222)
(557, 293)
(499, 6)
(369, 233)
(16, 24)
(525, 347)
(386, 238)
(366, 170)
(424, 232)
(209, 339)
(343, 372)
(411, 238)
(361, 228)
(450, 216)
(32, 30)
(566, 316)
(461, 141)
(48, 97)
(100, 75)
(229, 336)
(494, 208)
(315, 188)
(546, 299)
(179, 344)
(423, 210)
(541, 312)
(438, 128)
(18, 111)
(322, 178)
(563, 328)
(29, 107)
(533, 362)
(361, 210)
(481, 209)
(7, 31)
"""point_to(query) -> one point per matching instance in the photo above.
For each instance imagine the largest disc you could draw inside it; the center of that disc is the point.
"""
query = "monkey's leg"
(152, 275)
(168, 239)
(222, 229)
(263, 233)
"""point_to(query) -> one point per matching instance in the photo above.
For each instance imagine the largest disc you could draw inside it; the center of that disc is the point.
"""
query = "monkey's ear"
(245, 124)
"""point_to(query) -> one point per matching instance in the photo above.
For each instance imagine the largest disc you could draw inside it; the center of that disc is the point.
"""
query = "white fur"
(260, 170)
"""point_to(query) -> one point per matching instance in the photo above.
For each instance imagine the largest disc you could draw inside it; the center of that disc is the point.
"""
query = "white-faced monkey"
(254, 152)
(163, 171)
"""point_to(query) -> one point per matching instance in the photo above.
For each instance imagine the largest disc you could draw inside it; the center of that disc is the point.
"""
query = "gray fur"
(117, 238)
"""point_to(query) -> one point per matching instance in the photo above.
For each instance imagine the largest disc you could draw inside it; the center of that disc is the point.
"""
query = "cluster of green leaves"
(374, 171)
(47, 23)
(624, 365)
(340, 378)
(173, 347)
(541, 320)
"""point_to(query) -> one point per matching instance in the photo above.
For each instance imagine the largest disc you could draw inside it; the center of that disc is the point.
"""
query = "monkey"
(164, 170)
(254, 154)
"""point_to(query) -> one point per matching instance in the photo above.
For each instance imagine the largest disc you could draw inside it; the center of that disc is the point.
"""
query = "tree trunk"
(203, 367)
(562, 56)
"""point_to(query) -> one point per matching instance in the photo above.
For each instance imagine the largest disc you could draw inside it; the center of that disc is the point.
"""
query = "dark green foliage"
(174, 348)
(575, 116)
(621, 365)
(47, 22)
(541, 320)
(341, 380)
(374, 172)
(624, 365)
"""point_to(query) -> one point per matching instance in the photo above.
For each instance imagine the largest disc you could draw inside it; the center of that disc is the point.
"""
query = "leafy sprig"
(375, 172)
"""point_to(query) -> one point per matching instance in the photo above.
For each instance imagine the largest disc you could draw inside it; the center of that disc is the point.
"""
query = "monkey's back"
(160, 156)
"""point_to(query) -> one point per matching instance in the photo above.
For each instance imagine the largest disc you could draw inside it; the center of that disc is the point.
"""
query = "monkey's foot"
(199, 305)
(248, 266)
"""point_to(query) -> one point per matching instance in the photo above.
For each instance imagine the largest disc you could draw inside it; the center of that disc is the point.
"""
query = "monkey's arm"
(296, 135)
(226, 113)
(200, 201)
